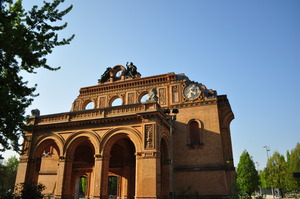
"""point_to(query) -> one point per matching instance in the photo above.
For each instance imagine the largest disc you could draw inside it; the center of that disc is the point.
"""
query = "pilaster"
(147, 172)
(60, 177)
(97, 176)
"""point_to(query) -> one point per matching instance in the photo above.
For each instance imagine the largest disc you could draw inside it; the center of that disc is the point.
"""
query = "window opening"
(144, 98)
(117, 102)
(112, 187)
(90, 105)
(82, 187)
(194, 133)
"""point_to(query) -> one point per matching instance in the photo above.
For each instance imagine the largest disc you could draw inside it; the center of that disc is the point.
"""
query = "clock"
(192, 92)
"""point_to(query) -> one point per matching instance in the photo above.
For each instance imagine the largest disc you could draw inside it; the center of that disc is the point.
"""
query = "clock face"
(192, 92)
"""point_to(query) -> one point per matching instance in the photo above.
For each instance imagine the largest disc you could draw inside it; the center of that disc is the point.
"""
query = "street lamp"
(267, 150)
(171, 117)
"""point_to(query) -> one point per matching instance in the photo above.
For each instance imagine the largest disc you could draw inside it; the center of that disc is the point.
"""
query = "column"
(97, 173)
(147, 182)
(60, 177)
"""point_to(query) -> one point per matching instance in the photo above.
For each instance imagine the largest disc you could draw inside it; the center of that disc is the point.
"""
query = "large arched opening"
(79, 168)
(119, 168)
(45, 165)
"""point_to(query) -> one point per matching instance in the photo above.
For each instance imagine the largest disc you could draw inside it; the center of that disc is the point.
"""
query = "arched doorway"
(120, 169)
(79, 169)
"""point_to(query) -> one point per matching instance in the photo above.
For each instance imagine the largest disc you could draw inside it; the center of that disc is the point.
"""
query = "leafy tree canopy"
(277, 168)
(247, 175)
(8, 174)
(293, 164)
(26, 38)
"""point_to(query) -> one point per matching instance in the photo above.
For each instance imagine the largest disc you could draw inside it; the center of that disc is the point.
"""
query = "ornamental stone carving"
(149, 136)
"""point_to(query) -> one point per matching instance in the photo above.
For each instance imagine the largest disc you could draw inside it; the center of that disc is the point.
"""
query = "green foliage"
(8, 176)
(83, 184)
(31, 190)
(112, 185)
(247, 176)
(264, 176)
(26, 38)
(293, 165)
(277, 168)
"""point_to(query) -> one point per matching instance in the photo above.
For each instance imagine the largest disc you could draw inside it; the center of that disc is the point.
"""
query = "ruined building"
(103, 149)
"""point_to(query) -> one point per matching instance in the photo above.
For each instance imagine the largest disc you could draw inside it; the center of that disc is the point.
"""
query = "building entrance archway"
(120, 169)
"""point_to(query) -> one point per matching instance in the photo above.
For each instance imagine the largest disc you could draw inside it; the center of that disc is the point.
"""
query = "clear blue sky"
(249, 50)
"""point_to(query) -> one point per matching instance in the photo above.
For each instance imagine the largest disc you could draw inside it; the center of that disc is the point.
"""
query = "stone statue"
(131, 70)
(106, 75)
(35, 112)
(152, 96)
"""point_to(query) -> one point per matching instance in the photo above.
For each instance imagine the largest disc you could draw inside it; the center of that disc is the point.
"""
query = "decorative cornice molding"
(134, 112)
(146, 81)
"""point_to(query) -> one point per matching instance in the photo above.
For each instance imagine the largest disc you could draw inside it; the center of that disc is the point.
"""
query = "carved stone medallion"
(192, 92)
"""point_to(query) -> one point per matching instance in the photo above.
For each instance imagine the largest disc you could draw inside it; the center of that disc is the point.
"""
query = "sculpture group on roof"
(130, 72)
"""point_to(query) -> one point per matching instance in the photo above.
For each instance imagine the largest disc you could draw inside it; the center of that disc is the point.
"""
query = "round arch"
(118, 149)
(112, 99)
(57, 139)
(87, 102)
(122, 132)
(141, 95)
(93, 137)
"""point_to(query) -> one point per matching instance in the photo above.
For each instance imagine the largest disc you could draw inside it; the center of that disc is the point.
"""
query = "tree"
(8, 174)
(31, 190)
(247, 175)
(264, 178)
(277, 168)
(26, 38)
(293, 165)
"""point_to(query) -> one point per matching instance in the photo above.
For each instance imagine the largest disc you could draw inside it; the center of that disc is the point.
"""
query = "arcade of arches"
(105, 150)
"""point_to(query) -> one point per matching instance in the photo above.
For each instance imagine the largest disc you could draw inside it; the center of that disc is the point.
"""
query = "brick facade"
(99, 142)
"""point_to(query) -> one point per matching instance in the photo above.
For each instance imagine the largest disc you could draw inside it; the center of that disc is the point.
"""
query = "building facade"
(103, 149)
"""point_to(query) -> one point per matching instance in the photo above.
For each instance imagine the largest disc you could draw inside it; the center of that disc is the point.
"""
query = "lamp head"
(175, 111)
(167, 111)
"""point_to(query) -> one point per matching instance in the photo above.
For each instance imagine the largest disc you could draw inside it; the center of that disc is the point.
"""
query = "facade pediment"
(172, 89)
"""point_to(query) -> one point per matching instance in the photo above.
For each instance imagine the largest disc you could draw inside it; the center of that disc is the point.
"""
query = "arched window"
(144, 98)
(90, 105)
(117, 102)
(194, 133)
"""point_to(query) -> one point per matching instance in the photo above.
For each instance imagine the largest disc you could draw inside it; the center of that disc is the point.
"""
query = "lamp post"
(171, 117)
(267, 150)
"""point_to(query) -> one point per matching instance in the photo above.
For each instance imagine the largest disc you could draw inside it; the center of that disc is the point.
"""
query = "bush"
(30, 190)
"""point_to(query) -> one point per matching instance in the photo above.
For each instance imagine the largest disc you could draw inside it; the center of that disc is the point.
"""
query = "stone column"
(60, 177)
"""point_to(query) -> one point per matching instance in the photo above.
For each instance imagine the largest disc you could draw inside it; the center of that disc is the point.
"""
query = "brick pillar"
(67, 189)
(104, 176)
(147, 170)
(97, 173)
(60, 177)
(22, 170)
